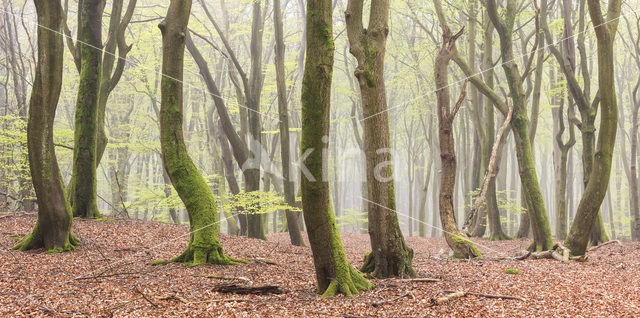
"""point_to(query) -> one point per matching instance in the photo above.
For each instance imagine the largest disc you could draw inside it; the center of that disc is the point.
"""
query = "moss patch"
(511, 271)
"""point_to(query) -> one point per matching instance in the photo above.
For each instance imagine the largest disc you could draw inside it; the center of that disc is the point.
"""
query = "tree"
(52, 230)
(504, 26)
(390, 255)
(333, 273)
(589, 206)
(110, 67)
(289, 194)
(462, 247)
(83, 189)
(191, 186)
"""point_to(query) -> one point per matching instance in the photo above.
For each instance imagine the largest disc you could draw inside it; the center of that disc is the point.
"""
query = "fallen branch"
(593, 248)
(452, 295)
(382, 302)
(108, 275)
(264, 261)
(144, 296)
(258, 290)
(492, 296)
(420, 280)
(232, 278)
(446, 298)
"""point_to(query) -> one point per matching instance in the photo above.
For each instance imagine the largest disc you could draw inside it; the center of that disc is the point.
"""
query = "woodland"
(341, 158)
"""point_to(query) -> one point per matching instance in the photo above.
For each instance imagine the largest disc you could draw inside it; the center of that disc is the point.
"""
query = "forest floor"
(111, 275)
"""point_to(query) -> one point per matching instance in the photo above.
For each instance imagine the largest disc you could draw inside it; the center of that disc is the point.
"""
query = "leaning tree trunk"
(520, 124)
(333, 273)
(53, 225)
(83, 186)
(191, 186)
(462, 247)
(288, 185)
(390, 254)
(589, 206)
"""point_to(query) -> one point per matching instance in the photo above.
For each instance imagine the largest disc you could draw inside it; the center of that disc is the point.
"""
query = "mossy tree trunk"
(110, 70)
(595, 190)
(493, 212)
(191, 186)
(462, 247)
(52, 230)
(285, 151)
(520, 124)
(334, 274)
(390, 254)
(83, 186)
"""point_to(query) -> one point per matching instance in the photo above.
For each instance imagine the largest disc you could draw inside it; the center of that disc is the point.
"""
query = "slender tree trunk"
(333, 272)
(289, 195)
(589, 206)
(191, 186)
(462, 247)
(52, 230)
(390, 254)
(83, 193)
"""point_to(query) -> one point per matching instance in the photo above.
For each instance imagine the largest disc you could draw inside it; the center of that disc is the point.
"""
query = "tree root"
(593, 248)
(349, 284)
(193, 256)
(558, 252)
(34, 241)
(500, 237)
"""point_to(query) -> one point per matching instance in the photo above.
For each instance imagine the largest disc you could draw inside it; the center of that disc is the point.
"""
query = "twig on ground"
(109, 275)
(382, 302)
(493, 296)
(144, 296)
(419, 280)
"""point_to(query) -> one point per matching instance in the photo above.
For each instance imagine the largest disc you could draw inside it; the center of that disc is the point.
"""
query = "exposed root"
(500, 237)
(203, 255)
(349, 285)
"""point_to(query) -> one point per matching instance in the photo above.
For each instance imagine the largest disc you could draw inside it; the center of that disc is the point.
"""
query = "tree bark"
(333, 273)
(462, 247)
(52, 230)
(390, 255)
(288, 184)
(83, 186)
(589, 206)
(191, 187)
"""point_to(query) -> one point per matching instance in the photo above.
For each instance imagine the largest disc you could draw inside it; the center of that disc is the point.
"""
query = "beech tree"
(390, 255)
(461, 246)
(191, 186)
(334, 274)
(52, 230)
(598, 179)
(83, 187)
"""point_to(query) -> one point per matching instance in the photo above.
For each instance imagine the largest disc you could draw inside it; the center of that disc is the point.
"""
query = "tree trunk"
(52, 230)
(83, 186)
(589, 206)
(333, 273)
(191, 186)
(462, 247)
(390, 254)
(289, 195)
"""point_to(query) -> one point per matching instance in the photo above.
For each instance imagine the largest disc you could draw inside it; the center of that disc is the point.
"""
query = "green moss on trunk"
(191, 186)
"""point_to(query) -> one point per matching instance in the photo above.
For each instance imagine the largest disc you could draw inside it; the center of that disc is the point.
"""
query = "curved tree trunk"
(83, 186)
(333, 273)
(191, 187)
(462, 247)
(390, 254)
(595, 190)
(53, 226)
